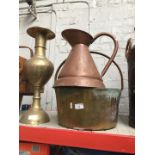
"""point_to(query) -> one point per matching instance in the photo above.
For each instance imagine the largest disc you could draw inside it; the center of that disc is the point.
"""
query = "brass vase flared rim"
(34, 31)
(76, 36)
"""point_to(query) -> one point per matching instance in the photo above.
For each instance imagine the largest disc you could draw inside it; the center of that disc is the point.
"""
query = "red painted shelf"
(120, 139)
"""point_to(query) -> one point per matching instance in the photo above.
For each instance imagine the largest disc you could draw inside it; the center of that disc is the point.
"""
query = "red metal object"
(82, 139)
(34, 148)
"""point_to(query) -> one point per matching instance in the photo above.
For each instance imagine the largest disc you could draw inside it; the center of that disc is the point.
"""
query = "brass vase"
(38, 71)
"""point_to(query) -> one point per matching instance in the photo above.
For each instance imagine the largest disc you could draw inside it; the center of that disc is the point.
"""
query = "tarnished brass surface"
(87, 108)
(79, 68)
(38, 71)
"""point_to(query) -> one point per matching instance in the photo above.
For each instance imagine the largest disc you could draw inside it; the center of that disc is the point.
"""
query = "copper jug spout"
(74, 36)
(79, 68)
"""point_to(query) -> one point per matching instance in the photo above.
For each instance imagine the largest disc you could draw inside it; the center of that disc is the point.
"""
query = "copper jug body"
(79, 68)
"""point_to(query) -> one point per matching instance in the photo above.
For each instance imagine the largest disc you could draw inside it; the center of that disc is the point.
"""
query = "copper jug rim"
(76, 36)
(34, 31)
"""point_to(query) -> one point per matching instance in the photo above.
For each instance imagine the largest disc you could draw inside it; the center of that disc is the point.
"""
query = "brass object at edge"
(38, 71)
(79, 68)
(130, 56)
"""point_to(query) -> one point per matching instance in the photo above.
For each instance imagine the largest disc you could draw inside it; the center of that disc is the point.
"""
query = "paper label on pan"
(79, 106)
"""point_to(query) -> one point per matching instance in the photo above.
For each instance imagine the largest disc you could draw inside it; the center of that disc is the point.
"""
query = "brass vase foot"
(34, 117)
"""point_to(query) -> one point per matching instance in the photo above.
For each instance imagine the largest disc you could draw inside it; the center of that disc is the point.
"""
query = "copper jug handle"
(31, 55)
(120, 72)
(31, 51)
(114, 51)
(128, 47)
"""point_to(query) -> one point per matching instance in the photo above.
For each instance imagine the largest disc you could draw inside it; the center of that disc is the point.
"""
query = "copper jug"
(79, 68)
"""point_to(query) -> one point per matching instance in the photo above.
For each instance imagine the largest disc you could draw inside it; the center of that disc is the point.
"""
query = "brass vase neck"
(40, 45)
(41, 35)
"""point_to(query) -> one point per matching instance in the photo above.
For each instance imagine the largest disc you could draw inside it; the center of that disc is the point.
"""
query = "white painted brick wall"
(113, 16)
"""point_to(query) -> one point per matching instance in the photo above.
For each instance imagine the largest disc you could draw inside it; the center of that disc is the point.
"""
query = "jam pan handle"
(120, 72)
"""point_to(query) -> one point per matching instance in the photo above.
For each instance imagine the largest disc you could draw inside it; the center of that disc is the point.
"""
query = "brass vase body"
(38, 71)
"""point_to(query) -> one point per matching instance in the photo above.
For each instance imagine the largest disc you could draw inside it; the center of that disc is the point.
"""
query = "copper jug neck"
(81, 47)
